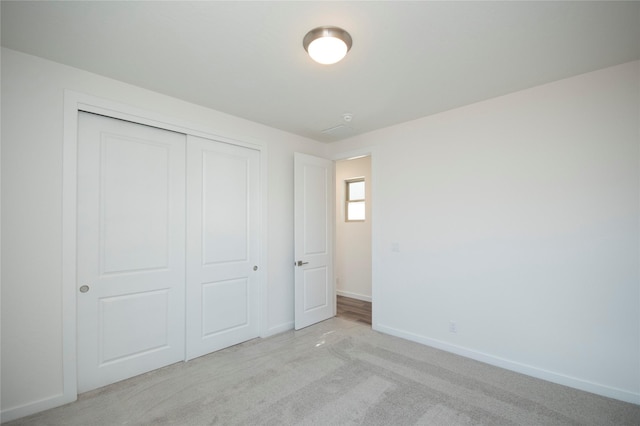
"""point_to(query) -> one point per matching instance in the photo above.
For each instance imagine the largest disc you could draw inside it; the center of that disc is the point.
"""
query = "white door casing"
(130, 257)
(313, 229)
(223, 226)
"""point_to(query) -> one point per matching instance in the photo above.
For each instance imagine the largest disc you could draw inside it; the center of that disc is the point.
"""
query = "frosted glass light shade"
(327, 50)
(327, 45)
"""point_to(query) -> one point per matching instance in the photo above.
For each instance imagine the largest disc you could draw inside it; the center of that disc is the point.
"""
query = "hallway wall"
(353, 239)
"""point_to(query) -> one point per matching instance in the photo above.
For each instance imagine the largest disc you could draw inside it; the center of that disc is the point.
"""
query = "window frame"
(349, 201)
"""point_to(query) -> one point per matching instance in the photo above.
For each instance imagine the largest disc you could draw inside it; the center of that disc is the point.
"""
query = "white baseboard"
(528, 370)
(353, 295)
(34, 407)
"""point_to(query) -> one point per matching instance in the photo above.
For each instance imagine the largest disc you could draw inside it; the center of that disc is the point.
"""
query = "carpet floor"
(337, 372)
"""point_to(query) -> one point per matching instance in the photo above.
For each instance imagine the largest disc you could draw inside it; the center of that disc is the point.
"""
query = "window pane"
(356, 190)
(355, 211)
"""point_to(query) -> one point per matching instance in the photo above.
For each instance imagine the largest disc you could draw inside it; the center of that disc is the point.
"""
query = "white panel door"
(313, 225)
(131, 239)
(223, 220)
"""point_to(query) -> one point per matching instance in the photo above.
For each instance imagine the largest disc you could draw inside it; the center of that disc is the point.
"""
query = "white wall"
(353, 239)
(517, 218)
(32, 140)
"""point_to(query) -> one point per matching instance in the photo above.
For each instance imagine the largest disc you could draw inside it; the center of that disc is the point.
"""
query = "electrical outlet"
(453, 327)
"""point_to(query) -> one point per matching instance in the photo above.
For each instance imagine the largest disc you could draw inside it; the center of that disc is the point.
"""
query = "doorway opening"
(353, 267)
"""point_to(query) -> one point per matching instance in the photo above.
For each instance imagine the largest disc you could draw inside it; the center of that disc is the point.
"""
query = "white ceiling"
(409, 59)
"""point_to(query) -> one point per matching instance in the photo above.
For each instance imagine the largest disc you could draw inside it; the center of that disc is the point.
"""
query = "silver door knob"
(255, 268)
(300, 263)
(84, 289)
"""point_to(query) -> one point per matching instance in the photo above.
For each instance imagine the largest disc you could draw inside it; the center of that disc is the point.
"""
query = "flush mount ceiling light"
(327, 45)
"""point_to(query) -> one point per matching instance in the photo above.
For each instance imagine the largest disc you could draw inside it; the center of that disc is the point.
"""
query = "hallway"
(354, 309)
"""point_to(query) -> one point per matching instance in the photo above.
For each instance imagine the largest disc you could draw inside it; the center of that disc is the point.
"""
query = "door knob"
(300, 263)
(255, 268)
(84, 289)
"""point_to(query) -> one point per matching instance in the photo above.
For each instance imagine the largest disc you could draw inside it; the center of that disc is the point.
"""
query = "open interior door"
(313, 228)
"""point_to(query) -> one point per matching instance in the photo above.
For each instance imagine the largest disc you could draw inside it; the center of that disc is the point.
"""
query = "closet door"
(222, 245)
(131, 249)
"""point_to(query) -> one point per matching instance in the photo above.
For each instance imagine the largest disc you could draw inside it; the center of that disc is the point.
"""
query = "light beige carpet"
(336, 373)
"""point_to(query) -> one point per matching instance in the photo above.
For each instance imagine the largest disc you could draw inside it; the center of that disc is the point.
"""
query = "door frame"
(375, 232)
(73, 103)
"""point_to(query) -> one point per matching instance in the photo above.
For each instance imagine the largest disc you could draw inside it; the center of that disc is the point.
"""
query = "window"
(355, 200)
